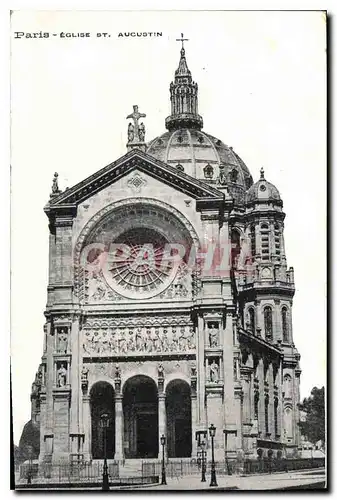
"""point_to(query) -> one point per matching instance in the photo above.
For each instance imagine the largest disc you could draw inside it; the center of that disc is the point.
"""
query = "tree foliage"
(314, 425)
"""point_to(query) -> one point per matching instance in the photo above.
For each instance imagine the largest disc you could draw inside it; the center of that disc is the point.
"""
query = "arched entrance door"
(140, 408)
(102, 400)
(178, 415)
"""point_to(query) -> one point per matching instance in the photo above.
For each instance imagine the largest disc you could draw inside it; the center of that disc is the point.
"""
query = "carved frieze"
(106, 339)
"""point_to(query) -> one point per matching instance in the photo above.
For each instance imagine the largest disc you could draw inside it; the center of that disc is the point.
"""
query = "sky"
(262, 81)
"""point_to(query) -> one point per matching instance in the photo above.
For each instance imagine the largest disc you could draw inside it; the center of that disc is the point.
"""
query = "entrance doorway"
(178, 414)
(140, 408)
(102, 400)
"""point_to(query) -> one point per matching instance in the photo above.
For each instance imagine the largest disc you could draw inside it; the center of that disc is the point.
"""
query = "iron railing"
(179, 468)
(67, 473)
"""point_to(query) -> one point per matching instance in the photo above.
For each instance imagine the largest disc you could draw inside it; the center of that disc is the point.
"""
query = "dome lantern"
(184, 97)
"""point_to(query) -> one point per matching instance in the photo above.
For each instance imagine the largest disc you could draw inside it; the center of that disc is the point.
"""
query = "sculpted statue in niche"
(213, 334)
(62, 339)
(61, 376)
(160, 371)
(214, 372)
(84, 374)
(193, 370)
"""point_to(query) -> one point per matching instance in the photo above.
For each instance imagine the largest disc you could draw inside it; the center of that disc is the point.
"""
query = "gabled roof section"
(134, 159)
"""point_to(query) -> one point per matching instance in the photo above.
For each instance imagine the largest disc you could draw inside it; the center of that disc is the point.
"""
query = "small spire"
(182, 68)
(262, 173)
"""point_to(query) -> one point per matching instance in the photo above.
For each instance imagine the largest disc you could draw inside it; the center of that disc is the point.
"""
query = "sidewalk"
(280, 480)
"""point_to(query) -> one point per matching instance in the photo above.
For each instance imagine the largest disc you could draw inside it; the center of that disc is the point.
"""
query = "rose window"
(139, 264)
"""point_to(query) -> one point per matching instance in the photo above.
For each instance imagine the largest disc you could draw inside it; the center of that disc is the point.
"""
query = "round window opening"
(139, 267)
(262, 187)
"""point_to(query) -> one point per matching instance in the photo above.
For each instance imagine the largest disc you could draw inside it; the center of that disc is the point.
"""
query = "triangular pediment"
(139, 160)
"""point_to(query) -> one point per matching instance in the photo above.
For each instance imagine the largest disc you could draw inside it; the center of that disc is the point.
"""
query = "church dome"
(187, 147)
(262, 191)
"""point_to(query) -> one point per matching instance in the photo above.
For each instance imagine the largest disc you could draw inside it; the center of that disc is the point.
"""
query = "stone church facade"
(169, 303)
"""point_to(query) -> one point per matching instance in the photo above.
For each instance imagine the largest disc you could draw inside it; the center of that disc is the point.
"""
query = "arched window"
(277, 239)
(264, 241)
(285, 325)
(276, 416)
(268, 322)
(266, 413)
(287, 386)
(252, 240)
(235, 247)
(233, 176)
(251, 320)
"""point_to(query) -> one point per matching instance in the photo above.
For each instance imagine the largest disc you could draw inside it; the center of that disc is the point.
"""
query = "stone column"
(231, 408)
(238, 400)
(248, 408)
(271, 409)
(201, 372)
(262, 421)
(280, 398)
(194, 411)
(86, 427)
(119, 426)
(297, 432)
(75, 378)
(161, 420)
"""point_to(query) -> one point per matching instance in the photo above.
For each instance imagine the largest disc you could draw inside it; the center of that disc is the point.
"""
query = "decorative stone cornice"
(134, 159)
(258, 344)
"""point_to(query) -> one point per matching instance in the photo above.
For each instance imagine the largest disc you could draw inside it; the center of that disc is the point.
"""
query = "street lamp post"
(201, 440)
(212, 430)
(163, 471)
(105, 421)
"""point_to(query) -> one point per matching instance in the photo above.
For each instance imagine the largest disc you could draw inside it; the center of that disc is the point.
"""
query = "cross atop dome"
(182, 40)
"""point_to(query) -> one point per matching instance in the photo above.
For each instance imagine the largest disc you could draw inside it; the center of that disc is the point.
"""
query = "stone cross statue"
(136, 133)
